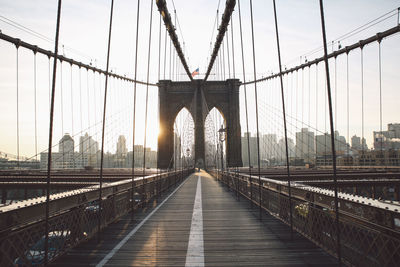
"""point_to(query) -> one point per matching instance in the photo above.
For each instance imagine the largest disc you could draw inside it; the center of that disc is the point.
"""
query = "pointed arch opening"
(215, 139)
(183, 155)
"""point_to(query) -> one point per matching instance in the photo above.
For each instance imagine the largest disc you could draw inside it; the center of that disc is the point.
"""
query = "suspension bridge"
(172, 166)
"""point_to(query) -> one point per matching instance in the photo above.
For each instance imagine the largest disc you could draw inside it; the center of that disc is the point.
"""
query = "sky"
(83, 36)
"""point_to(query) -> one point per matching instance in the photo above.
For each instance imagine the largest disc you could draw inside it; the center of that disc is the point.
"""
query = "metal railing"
(74, 216)
(369, 228)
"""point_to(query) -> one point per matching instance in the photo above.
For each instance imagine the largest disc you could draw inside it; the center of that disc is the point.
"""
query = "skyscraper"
(304, 144)
(121, 147)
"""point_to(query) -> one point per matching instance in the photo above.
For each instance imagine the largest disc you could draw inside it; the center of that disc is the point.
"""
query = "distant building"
(323, 144)
(88, 145)
(340, 142)
(305, 144)
(121, 147)
(356, 142)
(253, 150)
(66, 144)
(89, 148)
(65, 158)
(389, 139)
(268, 148)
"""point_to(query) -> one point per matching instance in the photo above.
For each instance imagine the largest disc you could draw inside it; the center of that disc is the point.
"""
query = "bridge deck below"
(229, 234)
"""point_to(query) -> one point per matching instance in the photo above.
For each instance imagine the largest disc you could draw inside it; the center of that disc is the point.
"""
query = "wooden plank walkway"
(230, 232)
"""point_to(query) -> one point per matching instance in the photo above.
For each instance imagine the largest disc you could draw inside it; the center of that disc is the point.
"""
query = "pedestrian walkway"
(200, 223)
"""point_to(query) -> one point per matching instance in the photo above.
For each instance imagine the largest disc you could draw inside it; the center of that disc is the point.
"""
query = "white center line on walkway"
(195, 251)
(131, 233)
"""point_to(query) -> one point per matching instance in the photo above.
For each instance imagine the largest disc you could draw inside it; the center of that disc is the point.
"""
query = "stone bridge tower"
(199, 97)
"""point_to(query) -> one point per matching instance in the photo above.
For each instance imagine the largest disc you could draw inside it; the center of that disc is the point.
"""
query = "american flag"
(196, 72)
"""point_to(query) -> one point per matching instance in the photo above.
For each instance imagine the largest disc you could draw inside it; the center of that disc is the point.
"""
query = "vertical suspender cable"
(134, 111)
(72, 116)
(328, 86)
(227, 50)
(245, 104)
(81, 139)
(348, 103)
(255, 97)
(362, 104)
(316, 113)
(88, 114)
(233, 51)
(380, 99)
(104, 120)
(159, 49)
(175, 54)
(49, 83)
(309, 113)
(284, 120)
(170, 59)
(335, 93)
(62, 114)
(159, 73)
(53, 89)
(223, 59)
(35, 103)
(94, 104)
(147, 94)
(17, 107)
(165, 51)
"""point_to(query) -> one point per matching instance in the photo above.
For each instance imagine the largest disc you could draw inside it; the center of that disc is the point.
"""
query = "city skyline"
(295, 50)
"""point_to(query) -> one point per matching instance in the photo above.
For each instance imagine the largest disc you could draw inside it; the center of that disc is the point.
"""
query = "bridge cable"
(81, 140)
(173, 55)
(362, 105)
(245, 104)
(309, 112)
(17, 106)
(316, 111)
(227, 49)
(35, 101)
(223, 58)
(53, 87)
(284, 120)
(72, 114)
(348, 102)
(88, 105)
(165, 51)
(134, 109)
(233, 51)
(328, 86)
(159, 49)
(380, 95)
(256, 107)
(49, 61)
(229, 6)
(335, 58)
(170, 59)
(104, 122)
(158, 111)
(95, 107)
(147, 97)
(62, 114)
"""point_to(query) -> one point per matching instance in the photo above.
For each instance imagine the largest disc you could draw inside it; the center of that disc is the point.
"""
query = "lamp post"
(187, 157)
(222, 138)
